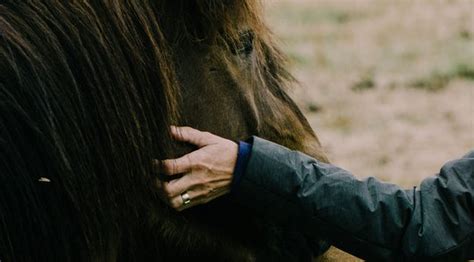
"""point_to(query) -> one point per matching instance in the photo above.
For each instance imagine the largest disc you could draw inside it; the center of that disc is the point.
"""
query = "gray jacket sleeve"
(367, 218)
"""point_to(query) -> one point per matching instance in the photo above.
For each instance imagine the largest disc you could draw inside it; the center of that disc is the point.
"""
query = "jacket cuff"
(258, 192)
(243, 156)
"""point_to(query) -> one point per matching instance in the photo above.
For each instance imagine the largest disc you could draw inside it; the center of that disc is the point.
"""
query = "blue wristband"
(243, 157)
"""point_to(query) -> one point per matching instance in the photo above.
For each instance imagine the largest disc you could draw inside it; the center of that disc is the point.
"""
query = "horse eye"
(246, 40)
(245, 44)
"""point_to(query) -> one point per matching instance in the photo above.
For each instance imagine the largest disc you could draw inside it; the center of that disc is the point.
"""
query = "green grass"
(438, 80)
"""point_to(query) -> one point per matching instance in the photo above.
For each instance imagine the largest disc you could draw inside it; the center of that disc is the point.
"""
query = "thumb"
(193, 136)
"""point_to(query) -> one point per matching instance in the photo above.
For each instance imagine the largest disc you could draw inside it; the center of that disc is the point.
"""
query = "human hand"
(207, 172)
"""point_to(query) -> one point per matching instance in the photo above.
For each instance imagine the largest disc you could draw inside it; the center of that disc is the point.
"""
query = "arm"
(370, 219)
(367, 218)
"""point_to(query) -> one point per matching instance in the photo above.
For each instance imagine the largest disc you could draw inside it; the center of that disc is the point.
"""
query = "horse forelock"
(223, 23)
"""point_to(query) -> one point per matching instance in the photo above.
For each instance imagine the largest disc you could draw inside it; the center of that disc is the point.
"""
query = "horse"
(88, 90)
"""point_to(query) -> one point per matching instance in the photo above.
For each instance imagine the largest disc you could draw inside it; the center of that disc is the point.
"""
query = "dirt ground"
(387, 85)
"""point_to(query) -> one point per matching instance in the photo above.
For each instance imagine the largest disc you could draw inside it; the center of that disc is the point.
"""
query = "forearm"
(368, 218)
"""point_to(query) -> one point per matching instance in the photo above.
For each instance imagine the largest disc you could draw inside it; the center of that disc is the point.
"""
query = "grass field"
(387, 85)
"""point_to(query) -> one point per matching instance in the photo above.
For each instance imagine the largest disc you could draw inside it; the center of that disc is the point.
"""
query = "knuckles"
(202, 166)
(167, 191)
(206, 134)
(199, 163)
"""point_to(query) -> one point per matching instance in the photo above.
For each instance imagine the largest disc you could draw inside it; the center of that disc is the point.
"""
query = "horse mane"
(86, 98)
(88, 90)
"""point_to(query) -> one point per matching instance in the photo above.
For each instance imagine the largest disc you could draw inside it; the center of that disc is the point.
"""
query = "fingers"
(197, 197)
(199, 190)
(206, 173)
(176, 166)
(176, 187)
(193, 136)
(185, 164)
(171, 193)
(178, 202)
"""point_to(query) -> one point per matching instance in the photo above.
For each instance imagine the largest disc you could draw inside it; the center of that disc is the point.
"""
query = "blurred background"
(388, 86)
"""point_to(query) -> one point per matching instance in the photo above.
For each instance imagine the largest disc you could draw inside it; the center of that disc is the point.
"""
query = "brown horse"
(87, 92)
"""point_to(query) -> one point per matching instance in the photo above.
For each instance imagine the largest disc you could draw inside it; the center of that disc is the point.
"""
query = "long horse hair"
(88, 90)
